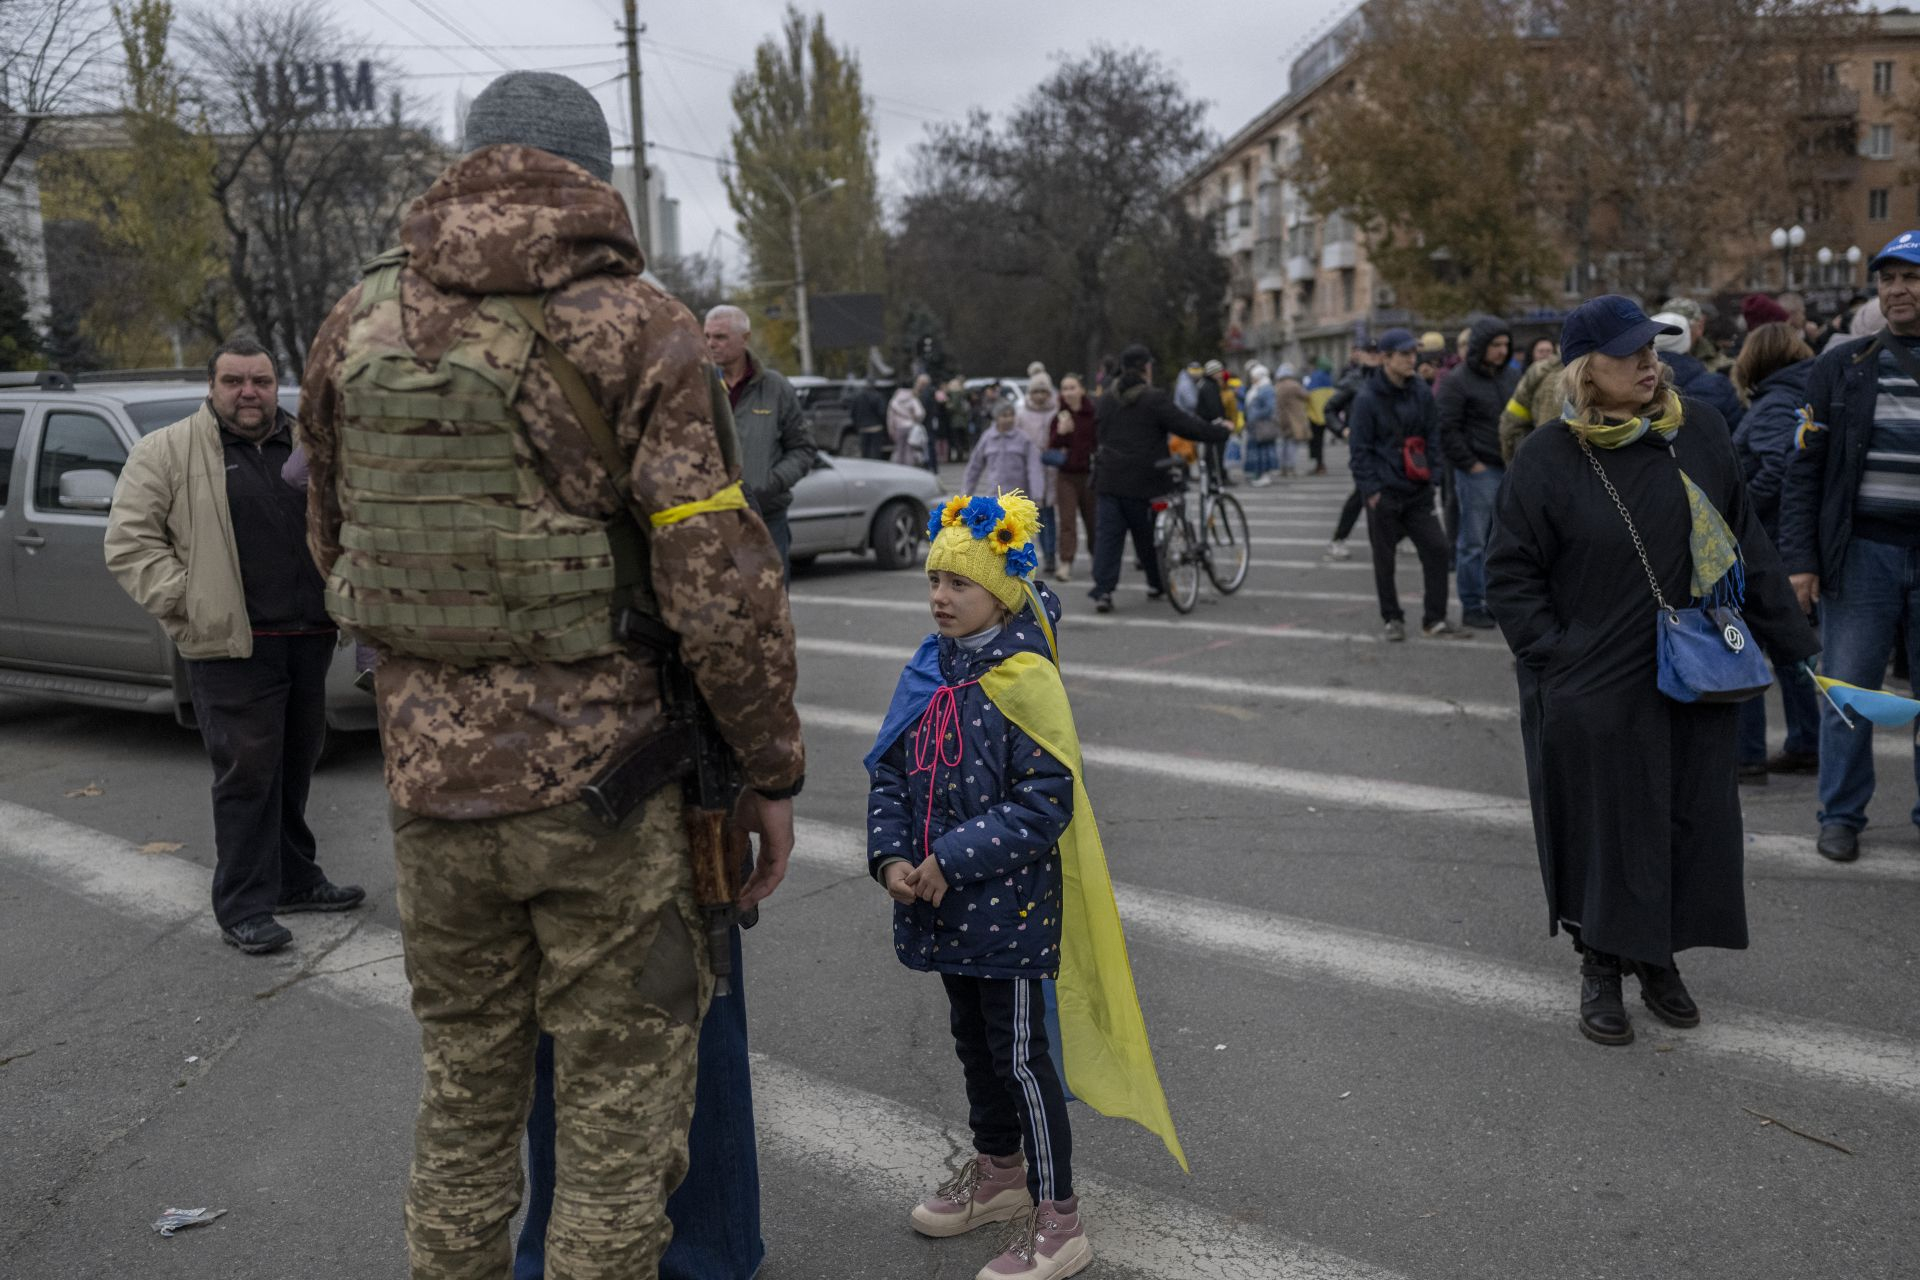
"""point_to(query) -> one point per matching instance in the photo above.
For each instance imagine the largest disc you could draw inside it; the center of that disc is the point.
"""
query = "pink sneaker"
(980, 1191)
(1049, 1242)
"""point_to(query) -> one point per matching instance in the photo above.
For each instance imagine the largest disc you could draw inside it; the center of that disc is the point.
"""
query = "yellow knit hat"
(989, 541)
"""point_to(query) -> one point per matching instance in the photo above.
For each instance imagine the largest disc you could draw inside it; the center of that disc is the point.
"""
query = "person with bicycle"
(1394, 428)
(1133, 421)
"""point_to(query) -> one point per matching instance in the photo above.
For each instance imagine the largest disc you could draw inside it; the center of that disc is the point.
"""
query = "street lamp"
(1786, 241)
(799, 260)
(1825, 259)
(1853, 260)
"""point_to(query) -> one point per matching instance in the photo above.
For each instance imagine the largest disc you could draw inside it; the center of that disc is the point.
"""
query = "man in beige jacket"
(208, 538)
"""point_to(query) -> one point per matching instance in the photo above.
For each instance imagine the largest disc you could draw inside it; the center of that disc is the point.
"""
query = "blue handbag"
(1705, 651)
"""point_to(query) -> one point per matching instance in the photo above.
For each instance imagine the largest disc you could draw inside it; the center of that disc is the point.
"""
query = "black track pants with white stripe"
(1013, 1092)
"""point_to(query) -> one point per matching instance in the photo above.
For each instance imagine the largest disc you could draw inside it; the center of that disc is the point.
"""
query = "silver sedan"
(851, 504)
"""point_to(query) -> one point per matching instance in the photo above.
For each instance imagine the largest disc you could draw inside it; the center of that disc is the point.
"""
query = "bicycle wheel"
(1229, 547)
(1179, 561)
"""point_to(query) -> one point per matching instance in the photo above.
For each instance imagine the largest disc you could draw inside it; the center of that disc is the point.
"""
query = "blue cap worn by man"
(1850, 518)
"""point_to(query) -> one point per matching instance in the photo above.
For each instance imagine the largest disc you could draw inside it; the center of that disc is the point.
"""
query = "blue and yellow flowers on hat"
(987, 540)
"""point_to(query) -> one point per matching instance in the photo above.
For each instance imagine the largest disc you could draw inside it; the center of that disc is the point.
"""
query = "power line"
(443, 51)
(460, 75)
(460, 34)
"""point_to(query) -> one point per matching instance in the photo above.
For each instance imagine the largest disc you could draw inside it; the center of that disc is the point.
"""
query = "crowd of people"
(571, 579)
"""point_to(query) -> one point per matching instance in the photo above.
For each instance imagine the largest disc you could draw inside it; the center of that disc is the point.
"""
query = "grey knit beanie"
(544, 110)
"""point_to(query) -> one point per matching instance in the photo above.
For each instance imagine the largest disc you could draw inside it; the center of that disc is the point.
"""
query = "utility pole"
(642, 214)
(800, 288)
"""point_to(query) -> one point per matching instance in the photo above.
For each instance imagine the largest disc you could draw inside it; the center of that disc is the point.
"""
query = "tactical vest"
(452, 548)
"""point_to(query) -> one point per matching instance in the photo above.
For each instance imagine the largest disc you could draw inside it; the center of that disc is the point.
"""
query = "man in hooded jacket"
(521, 911)
(1471, 400)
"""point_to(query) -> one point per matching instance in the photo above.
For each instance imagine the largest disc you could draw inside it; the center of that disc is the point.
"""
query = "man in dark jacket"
(1690, 376)
(1850, 527)
(1394, 434)
(1470, 402)
(1366, 358)
(867, 414)
(776, 449)
(1133, 421)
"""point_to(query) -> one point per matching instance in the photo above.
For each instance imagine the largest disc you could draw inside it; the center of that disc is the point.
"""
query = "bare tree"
(46, 62)
(313, 170)
(1058, 211)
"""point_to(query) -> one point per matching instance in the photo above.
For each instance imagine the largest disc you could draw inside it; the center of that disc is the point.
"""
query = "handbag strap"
(1638, 546)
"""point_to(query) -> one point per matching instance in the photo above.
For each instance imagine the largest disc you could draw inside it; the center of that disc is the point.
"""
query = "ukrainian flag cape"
(1103, 1034)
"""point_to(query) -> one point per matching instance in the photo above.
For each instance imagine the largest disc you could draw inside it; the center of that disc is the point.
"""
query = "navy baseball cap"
(1611, 325)
(1399, 340)
(1904, 247)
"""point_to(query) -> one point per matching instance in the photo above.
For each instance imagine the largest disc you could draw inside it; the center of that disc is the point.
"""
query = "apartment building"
(1301, 285)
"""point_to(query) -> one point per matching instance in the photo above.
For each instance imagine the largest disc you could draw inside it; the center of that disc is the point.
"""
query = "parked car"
(824, 402)
(851, 504)
(67, 630)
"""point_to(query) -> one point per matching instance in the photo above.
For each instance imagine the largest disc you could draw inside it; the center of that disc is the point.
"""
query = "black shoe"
(257, 935)
(1103, 604)
(1794, 762)
(1838, 843)
(1603, 1012)
(1666, 995)
(1753, 775)
(324, 896)
(1478, 619)
(1156, 593)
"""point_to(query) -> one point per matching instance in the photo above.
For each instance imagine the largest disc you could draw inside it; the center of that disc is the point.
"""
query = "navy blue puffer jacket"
(965, 784)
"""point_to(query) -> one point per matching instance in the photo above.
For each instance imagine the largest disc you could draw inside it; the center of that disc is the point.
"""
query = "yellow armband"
(1519, 411)
(731, 498)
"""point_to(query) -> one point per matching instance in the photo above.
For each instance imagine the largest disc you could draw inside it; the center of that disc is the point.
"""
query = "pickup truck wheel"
(897, 532)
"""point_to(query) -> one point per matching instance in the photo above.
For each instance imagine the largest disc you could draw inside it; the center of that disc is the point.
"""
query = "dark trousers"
(1398, 516)
(1014, 1097)
(873, 443)
(782, 534)
(1349, 515)
(264, 720)
(1117, 518)
(1317, 444)
(716, 1210)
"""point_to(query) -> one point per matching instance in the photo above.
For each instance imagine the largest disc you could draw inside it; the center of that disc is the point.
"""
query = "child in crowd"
(1004, 460)
(974, 813)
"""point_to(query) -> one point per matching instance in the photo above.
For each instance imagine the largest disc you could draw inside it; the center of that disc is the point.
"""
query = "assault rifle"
(689, 748)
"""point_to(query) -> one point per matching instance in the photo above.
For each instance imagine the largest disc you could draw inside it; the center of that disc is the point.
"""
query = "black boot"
(1603, 1013)
(1666, 995)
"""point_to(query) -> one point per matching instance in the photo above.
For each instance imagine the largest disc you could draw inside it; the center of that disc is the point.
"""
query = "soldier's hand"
(772, 821)
(1806, 588)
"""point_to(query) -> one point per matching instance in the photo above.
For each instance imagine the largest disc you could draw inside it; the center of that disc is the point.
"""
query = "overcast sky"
(922, 63)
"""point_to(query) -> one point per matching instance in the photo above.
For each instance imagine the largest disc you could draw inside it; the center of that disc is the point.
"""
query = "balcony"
(1300, 267)
(1339, 255)
(1832, 102)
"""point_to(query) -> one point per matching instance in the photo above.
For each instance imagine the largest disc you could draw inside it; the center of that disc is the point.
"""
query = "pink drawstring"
(930, 748)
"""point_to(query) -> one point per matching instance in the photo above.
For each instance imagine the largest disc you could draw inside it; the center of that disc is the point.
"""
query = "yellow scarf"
(1710, 540)
(1103, 1035)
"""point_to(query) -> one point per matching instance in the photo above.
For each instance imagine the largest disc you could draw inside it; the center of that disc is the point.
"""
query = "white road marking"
(1191, 624)
(1237, 689)
(897, 1154)
(1290, 947)
(892, 1152)
(1793, 854)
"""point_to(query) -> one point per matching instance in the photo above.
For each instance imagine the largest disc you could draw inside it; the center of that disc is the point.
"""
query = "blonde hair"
(1767, 350)
(1578, 386)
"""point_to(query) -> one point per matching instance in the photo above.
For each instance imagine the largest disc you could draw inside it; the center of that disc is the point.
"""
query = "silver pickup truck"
(67, 630)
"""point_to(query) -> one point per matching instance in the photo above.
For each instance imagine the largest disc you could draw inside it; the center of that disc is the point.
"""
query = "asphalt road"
(1324, 859)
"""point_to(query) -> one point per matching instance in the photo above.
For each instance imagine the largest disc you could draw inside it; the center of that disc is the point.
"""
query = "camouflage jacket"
(498, 739)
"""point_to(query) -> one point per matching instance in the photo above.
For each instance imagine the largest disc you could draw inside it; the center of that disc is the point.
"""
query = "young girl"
(974, 811)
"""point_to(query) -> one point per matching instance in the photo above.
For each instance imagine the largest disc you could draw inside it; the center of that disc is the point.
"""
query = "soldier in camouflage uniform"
(522, 912)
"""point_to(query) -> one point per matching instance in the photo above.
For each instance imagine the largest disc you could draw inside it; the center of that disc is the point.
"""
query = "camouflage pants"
(548, 921)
